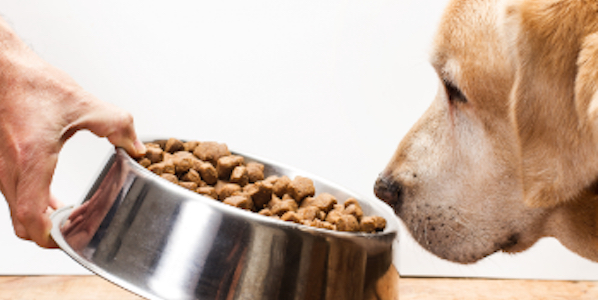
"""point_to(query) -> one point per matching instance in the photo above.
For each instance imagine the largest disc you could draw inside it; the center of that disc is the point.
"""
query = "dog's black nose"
(388, 191)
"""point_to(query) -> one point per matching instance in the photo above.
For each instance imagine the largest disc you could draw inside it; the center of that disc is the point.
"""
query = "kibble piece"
(209, 191)
(320, 224)
(162, 168)
(287, 197)
(372, 223)
(211, 151)
(239, 176)
(206, 170)
(145, 162)
(367, 224)
(183, 161)
(273, 201)
(280, 208)
(240, 201)
(265, 212)
(190, 145)
(353, 208)
(309, 213)
(154, 154)
(291, 216)
(333, 216)
(260, 193)
(255, 171)
(160, 143)
(225, 189)
(193, 176)
(281, 186)
(170, 177)
(324, 201)
(347, 223)
(188, 185)
(226, 164)
(173, 145)
(152, 145)
(301, 187)
(380, 222)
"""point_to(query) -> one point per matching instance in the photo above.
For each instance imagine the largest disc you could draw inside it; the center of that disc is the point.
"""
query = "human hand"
(40, 108)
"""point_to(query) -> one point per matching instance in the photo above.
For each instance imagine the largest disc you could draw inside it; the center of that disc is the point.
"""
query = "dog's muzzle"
(388, 191)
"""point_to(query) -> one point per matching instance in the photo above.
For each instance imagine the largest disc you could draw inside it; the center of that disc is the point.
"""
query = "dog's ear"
(554, 101)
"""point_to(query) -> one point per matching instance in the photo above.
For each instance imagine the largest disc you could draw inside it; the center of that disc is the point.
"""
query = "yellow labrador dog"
(508, 151)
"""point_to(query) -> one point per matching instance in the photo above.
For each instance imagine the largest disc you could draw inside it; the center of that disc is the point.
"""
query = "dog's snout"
(389, 191)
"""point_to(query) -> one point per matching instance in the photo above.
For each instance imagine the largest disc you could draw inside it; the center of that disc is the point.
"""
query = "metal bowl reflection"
(162, 241)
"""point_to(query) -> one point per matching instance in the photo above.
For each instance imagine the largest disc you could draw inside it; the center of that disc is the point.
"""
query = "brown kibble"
(372, 224)
(206, 170)
(207, 191)
(239, 176)
(380, 222)
(320, 224)
(193, 176)
(145, 162)
(291, 216)
(160, 143)
(309, 213)
(280, 208)
(154, 154)
(265, 212)
(173, 145)
(162, 167)
(333, 216)
(255, 171)
(183, 161)
(354, 209)
(188, 185)
(308, 201)
(273, 201)
(170, 177)
(281, 186)
(226, 164)
(347, 223)
(190, 145)
(225, 190)
(271, 179)
(324, 201)
(301, 187)
(260, 193)
(367, 224)
(152, 145)
(211, 151)
(209, 169)
(240, 201)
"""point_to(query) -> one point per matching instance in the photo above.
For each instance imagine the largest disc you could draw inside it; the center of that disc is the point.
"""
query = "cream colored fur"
(518, 159)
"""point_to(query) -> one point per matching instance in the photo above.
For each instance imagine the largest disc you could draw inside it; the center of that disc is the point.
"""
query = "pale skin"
(41, 107)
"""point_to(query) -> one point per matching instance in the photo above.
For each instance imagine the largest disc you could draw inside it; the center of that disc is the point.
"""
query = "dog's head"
(508, 151)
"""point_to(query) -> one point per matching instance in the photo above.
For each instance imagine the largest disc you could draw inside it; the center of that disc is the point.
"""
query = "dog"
(507, 153)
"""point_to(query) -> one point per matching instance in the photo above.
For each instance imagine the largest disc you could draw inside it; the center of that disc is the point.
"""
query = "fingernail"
(140, 147)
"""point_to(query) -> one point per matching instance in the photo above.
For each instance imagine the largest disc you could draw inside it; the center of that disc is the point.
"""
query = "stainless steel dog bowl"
(162, 241)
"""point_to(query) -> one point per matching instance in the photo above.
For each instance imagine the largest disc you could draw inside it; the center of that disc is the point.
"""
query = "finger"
(55, 203)
(107, 120)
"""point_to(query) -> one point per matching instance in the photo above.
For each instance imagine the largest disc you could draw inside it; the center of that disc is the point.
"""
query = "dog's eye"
(454, 93)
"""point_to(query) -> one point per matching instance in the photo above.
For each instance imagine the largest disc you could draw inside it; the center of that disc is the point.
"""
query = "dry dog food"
(210, 169)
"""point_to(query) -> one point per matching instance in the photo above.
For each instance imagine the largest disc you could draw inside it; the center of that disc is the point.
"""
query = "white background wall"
(329, 87)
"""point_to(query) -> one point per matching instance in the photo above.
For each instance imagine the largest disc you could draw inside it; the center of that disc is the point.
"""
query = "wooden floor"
(95, 288)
